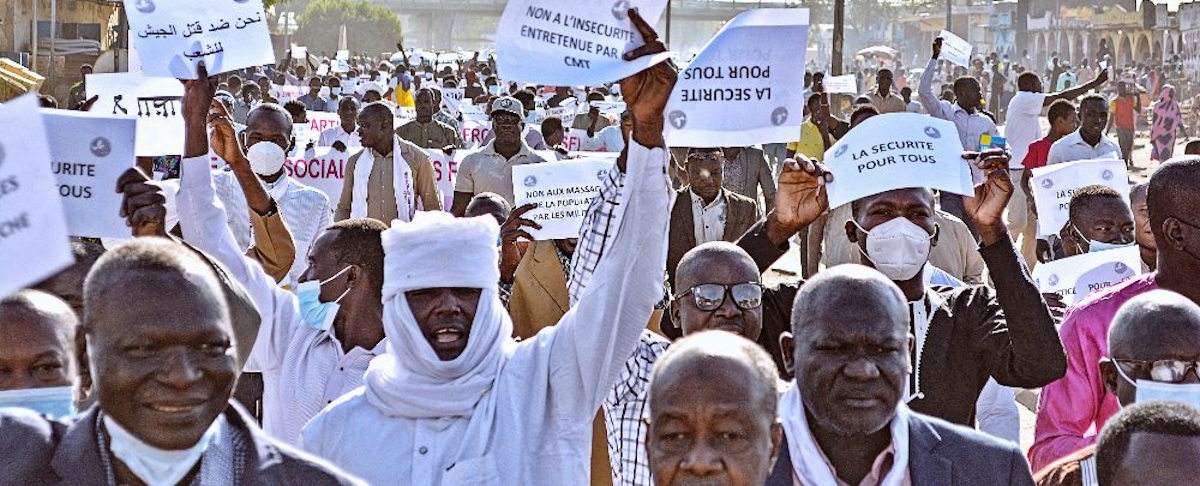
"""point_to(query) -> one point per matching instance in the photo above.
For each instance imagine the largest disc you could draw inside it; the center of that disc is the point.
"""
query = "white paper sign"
(474, 133)
(1075, 277)
(87, 154)
(844, 84)
(156, 102)
(299, 52)
(895, 151)
(563, 192)
(451, 99)
(33, 229)
(1053, 186)
(955, 49)
(742, 89)
(172, 36)
(572, 43)
(319, 121)
(286, 93)
(322, 168)
(343, 55)
(445, 168)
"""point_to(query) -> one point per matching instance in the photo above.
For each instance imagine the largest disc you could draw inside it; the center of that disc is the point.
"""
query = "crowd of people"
(256, 330)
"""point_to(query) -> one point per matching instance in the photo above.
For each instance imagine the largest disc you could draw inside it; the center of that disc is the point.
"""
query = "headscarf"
(437, 250)
(1167, 119)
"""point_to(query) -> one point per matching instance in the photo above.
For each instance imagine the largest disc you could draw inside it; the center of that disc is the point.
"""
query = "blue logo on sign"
(100, 147)
(1047, 183)
(600, 174)
(530, 181)
(1120, 268)
(933, 132)
(1106, 175)
(144, 6)
(1053, 280)
(840, 151)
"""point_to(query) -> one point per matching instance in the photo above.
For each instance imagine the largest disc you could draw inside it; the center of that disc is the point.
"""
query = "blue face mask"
(57, 402)
(1095, 246)
(316, 314)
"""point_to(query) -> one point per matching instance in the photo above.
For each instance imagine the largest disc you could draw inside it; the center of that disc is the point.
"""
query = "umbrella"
(884, 51)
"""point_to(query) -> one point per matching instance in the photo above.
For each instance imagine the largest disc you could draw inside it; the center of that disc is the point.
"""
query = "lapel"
(683, 223)
(925, 466)
(548, 273)
(77, 458)
(734, 218)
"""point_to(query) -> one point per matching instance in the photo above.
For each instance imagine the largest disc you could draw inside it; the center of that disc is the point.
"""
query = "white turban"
(372, 86)
(437, 250)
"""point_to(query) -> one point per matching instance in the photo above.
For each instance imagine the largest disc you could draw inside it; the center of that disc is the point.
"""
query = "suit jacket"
(943, 454)
(741, 213)
(756, 173)
(37, 450)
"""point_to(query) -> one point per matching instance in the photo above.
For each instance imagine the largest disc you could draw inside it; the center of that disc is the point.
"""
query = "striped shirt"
(303, 368)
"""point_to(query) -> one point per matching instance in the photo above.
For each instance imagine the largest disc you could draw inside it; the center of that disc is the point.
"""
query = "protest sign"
(844, 84)
(1075, 277)
(299, 52)
(286, 93)
(577, 140)
(445, 168)
(474, 133)
(611, 109)
(323, 168)
(88, 153)
(563, 192)
(343, 55)
(473, 112)
(319, 121)
(1053, 186)
(156, 102)
(573, 43)
(33, 229)
(742, 88)
(895, 151)
(451, 98)
(224, 34)
(955, 49)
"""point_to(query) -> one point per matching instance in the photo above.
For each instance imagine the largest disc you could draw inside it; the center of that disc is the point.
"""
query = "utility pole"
(839, 27)
(949, 16)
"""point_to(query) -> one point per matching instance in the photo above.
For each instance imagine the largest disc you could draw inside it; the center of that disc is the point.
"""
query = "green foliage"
(369, 28)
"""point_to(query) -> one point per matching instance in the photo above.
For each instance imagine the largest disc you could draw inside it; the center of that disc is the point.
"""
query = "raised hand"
(937, 48)
(510, 251)
(800, 199)
(223, 137)
(142, 204)
(646, 93)
(986, 209)
(197, 101)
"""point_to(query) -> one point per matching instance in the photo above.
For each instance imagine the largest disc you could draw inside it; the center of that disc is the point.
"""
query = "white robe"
(548, 391)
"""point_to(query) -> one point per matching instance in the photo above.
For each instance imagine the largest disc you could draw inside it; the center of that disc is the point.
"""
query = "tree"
(369, 28)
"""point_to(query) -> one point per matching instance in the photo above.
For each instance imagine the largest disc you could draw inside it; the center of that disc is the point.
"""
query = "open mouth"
(176, 410)
(449, 338)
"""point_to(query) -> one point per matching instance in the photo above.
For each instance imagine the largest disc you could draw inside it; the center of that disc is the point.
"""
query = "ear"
(937, 231)
(912, 341)
(1174, 233)
(291, 146)
(83, 365)
(851, 232)
(676, 319)
(1109, 376)
(787, 346)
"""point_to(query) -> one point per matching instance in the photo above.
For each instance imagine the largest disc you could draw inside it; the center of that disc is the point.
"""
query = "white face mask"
(152, 465)
(1147, 390)
(266, 158)
(898, 248)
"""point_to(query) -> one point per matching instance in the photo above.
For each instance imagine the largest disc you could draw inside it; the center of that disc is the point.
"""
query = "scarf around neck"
(402, 183)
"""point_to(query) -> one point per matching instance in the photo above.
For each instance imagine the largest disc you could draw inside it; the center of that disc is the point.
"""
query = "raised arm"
(1070, 94)
(929, 100)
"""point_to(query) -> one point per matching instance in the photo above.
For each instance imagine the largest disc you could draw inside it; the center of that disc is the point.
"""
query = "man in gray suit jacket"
(846, 420)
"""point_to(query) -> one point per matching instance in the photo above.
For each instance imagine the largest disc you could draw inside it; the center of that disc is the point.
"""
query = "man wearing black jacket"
(964, 335)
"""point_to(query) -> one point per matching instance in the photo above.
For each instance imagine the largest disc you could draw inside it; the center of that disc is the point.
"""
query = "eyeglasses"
(710, 297)
(1165, 370)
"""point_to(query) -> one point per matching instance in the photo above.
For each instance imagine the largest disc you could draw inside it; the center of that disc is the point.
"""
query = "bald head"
(697, 263)
(37, 333)
(682, 403)
(847, 290)
(1153, 322)
(376, 111)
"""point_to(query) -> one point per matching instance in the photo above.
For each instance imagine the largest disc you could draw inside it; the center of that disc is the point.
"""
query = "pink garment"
(1071, 405)
(879, 469)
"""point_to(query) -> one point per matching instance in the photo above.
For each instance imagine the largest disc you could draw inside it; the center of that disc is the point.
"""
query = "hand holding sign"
(223, 138)
(647, 92)
(512, 230)
(986, 209)
(197, 101)
(142, 204)
(800, 199)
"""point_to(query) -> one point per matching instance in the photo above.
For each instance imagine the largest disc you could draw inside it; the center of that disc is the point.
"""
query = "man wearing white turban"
(455, 401)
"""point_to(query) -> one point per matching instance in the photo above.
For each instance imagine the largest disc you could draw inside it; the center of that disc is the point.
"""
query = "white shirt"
(304, 369)
(970, 125)
(607, 139)
(913, 107)
(1024, 127)
(708, 219)
(304, 209)
(1072, 147)
(337, 134)
(549, 389)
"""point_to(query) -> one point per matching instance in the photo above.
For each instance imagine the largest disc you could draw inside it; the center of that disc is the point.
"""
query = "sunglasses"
(1165, 370)
(710, 297)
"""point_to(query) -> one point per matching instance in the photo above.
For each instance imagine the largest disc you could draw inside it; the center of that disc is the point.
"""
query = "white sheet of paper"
(343, 55)
(88, 153)
(1075, 277)
(739, 90)
(319, 121)
(451, 99)
(572, 43)
(299, 52)
(323, 168)
(1053, 186)
(156, 102)
(895, 151)
(178, 34)
(844, 84)
(955, 49)
(445, 168)
(563, 192)
(33, 229)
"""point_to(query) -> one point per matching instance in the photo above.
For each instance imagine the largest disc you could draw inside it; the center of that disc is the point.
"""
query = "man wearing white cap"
(490, 169)
(455, 400)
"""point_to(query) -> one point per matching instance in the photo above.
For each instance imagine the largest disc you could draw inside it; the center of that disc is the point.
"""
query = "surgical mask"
(1147, 390)
(57, 402)
(266, 158)
(316, 314)
(335, 91)
(154, 466)
(898, 248)
(494, 90)
(1095, 246)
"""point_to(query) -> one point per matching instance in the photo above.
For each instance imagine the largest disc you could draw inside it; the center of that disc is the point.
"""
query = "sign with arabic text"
(172, 36)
